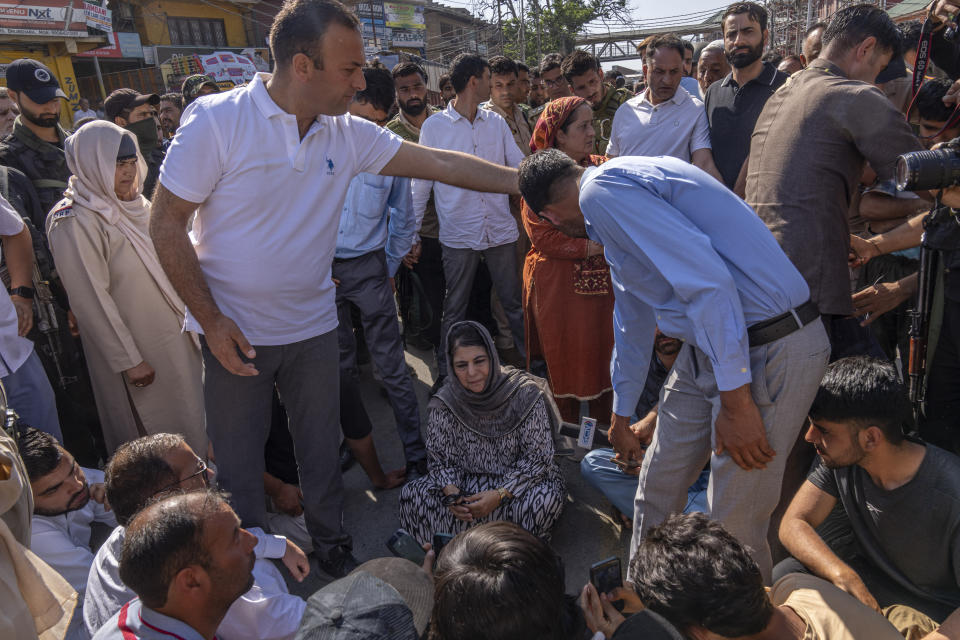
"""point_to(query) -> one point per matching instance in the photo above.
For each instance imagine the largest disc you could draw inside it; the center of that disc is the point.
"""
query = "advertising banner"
(404, 16)
(98, 17)
(43, 18)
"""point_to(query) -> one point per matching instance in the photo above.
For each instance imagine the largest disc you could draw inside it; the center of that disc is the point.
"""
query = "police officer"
(33, 175)
(35, 147)
(585, 77)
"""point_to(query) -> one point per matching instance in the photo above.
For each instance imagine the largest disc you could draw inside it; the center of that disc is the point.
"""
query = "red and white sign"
(43, 17)
(98, 17)
(111, 50)
(224, 65)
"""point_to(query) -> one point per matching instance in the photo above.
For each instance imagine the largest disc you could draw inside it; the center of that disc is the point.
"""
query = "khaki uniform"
(518, 123)
(603, 116)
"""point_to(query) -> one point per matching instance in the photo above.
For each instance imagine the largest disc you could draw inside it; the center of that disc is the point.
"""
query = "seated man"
(694, 573)
(162, 463)
(618, 483)
(188, 560)
(67, 500)
(901, 497)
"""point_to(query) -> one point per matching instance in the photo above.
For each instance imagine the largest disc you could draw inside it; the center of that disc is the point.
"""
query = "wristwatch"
(23, 292)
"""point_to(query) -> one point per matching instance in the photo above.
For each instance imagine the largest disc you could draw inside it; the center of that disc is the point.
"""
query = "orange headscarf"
(551, 119)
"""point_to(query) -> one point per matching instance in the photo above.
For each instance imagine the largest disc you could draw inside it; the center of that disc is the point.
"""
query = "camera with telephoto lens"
(927, 170)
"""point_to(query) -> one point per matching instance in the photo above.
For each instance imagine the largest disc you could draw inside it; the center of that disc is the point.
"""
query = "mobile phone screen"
(605, 575)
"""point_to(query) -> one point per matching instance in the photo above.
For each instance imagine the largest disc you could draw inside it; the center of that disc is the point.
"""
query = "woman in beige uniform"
(146, 370)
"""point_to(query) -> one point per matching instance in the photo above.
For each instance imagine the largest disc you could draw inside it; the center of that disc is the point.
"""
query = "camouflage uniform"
(44, 163)
(603, 116)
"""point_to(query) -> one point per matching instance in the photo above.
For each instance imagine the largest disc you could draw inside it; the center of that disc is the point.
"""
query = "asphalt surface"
(584, 534)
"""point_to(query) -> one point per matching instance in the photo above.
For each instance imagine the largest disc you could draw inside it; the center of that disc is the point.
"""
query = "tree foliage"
(558, 23)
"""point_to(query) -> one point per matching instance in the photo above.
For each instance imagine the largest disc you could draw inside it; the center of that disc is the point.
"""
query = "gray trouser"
(459, 269)
(786, 375)
(363, 282)
(238, 412)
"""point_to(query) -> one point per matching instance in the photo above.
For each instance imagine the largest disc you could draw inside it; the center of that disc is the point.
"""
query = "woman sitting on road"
(490, 446)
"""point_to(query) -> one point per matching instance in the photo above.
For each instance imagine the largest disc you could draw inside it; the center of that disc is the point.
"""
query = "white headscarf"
(92, 158)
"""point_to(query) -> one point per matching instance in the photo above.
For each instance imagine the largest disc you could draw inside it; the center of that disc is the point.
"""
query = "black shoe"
(346, 458)
(416, 470)
(339, 562)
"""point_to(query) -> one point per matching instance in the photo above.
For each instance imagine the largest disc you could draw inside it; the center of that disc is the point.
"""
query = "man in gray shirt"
(899, 498)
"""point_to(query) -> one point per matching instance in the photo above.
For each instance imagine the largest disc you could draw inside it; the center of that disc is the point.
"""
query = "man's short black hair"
(814, 27)
(756, 12)
(540, 173)
(930, 100)
(687, 45)
(852, 25)
(665, 41)
(404, 69)
(514, 583)
(300, 25)
(164, 539)
(521, 67)
(137, 471)
(502, 66)
(464, 67)
(174, 97)
(550, 61)
(444, 80)
(379, 91)
(40, 451)
(535, 72)
(578, 63)
(773, 58)
(694, 573)
(909, 35)
(863, 391)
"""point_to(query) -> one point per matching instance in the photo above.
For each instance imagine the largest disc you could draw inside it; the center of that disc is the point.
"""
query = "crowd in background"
(715, 262)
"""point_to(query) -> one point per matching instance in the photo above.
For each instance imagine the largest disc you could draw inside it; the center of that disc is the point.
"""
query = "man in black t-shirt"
(899, 499)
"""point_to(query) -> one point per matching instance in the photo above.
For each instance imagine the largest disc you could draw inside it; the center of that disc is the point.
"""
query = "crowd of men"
(766, 271)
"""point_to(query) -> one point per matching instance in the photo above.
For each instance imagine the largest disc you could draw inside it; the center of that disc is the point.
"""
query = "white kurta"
(125, 320)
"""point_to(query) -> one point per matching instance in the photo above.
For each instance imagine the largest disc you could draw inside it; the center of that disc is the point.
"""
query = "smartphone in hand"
(404, 545)
(440, 540)
(605, 576)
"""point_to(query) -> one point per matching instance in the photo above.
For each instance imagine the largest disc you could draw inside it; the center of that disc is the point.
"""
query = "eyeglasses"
(554, 83)
(201, 471)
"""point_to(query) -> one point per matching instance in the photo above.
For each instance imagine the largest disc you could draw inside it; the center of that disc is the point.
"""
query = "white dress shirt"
(63, 541)
(266, 612)
(469, 219)
(676, 127)
(266, 228)
(14, 350)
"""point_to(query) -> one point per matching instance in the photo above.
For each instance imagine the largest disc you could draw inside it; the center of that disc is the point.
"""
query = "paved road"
(584, 534)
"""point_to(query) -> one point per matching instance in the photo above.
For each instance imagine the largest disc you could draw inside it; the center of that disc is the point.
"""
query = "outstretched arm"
(453, 168)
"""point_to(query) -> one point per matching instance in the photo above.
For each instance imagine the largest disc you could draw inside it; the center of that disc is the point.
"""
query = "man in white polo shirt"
(267, 167)
(664, 120)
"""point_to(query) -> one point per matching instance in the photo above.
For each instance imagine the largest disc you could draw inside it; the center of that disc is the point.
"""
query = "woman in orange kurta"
(567, 296)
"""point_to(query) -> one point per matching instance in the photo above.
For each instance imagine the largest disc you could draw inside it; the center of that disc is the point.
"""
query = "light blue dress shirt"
(377, 214)
(686, 255)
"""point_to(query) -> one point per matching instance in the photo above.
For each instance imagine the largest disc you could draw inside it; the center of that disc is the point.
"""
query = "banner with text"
(43, 18)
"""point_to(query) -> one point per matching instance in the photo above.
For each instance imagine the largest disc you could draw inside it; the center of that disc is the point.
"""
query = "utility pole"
(523, 33)
(536, 16)
(500, 23)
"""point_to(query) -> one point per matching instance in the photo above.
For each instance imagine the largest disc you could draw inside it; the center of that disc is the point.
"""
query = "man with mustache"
(734, 104)
(895, 541)
(67, 500)
(663, 121)
(410, 81)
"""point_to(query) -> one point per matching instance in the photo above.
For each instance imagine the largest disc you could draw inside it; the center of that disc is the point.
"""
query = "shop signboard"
(400, 15)
(43, 18)
(98, 17)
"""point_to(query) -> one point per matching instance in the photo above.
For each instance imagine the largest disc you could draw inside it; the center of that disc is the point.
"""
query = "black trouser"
(429, 301)
(941, 422)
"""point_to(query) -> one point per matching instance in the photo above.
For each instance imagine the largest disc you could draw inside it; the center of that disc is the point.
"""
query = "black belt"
(783, 325)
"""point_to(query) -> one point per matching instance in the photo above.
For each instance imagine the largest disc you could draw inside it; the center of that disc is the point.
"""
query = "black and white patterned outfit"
(520, 461)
